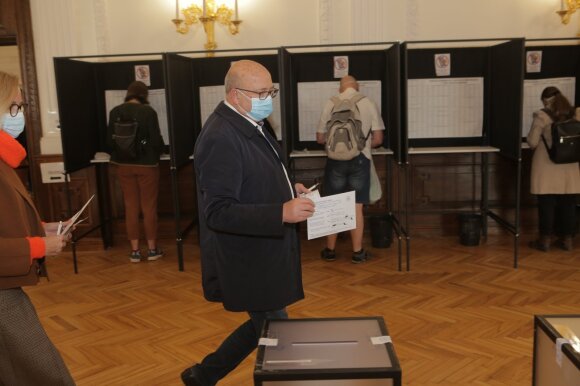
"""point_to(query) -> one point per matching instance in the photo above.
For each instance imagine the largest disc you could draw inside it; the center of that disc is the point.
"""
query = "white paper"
(143, 74)
(533, 61)
(73, 219)
(332, 214)
(532, 96)
(157, 101)
(340, 66)
(445, 108)
(211, 96)
(312, 97)
(442, 64)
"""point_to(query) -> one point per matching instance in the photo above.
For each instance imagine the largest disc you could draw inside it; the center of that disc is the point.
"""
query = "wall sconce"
(567, 8)
(207, 15)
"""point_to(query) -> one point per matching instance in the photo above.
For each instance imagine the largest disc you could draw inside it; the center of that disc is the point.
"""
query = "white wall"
(97, 27)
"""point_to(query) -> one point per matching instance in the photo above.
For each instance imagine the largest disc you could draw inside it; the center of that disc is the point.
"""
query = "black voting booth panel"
(81, 84)
(500, 66)
(211, 71)
(366, 61)
(560, 58)
(316, 63)
(500, 63)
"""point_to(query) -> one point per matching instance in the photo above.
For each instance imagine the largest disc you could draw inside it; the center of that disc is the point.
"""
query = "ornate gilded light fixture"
(567, 8)
(207, 15)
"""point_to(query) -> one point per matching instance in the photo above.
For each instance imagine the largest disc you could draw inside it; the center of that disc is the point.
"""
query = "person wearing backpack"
(135, 143)
(350, 124)
(555, 184)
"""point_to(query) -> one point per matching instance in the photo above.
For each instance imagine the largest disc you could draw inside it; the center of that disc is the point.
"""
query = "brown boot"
(542, 243)
(564, 243)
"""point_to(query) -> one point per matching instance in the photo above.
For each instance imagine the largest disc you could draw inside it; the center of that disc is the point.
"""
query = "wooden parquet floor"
(462, 316)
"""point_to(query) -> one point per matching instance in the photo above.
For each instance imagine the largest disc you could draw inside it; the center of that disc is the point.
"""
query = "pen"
(59, 228)
(310, 189)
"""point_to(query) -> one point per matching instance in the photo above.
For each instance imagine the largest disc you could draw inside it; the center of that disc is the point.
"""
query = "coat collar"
(237, 120)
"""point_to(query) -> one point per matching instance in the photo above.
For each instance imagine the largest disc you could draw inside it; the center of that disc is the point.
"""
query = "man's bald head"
(348, 82)
(244, 81)
(247, 74)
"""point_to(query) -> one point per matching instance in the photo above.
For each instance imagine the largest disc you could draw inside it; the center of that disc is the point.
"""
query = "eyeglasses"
(263, 94)
(15, 108)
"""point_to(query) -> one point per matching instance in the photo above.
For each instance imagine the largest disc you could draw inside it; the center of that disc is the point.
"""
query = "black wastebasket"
(470, 229)
(381, 231)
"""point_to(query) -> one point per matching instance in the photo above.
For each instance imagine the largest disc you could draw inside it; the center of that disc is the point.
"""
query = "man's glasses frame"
(15, 108)
(262, 94)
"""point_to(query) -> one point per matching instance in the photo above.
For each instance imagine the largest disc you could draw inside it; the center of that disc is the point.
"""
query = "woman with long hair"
(556, 185)
(27, 356)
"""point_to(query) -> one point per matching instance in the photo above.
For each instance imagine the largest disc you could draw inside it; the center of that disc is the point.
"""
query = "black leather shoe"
(192, 377)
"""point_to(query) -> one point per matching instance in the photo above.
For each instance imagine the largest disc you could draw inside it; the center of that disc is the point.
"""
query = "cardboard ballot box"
(321, 352)
(556, 350)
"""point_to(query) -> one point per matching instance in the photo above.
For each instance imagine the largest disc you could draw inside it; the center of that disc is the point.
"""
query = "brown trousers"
(140, 185)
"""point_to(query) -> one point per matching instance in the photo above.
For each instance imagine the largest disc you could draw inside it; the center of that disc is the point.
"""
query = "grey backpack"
(345, 138)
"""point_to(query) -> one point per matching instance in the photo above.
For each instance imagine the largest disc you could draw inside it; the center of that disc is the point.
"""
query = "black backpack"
(128, 146)
(565, 142)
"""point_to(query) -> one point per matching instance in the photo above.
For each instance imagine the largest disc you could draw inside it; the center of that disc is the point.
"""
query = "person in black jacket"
(138, 173)
(248, 209)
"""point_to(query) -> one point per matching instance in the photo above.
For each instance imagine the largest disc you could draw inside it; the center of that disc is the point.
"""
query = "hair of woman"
(8, 85)
(557, 105)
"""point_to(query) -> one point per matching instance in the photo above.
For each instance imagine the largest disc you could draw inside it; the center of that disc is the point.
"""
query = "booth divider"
(500, 63)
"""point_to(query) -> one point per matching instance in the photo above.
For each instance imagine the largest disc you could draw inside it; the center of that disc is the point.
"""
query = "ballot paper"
(332, 214)
(73, 220)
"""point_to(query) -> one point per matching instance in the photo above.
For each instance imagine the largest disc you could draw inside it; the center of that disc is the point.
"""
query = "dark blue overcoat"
(250, 258)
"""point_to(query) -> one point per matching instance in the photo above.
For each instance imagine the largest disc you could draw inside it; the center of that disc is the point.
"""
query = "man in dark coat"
(247, 213)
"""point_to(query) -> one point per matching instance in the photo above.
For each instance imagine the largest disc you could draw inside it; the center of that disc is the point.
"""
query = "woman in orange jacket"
(27, 356)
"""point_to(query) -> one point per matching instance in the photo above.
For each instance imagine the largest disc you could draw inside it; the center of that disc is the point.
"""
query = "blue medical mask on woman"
(261, 108)
(14, 126)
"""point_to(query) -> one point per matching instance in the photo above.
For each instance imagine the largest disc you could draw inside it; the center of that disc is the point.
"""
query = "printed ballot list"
(332, 214)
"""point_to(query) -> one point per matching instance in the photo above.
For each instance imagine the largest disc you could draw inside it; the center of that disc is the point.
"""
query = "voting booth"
(548, 62)
(326, 352)
(88, 88)
(556, 350)
(310, 76)
(464, 97)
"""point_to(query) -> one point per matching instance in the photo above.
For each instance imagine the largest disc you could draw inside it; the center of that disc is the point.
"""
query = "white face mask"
(14, 126)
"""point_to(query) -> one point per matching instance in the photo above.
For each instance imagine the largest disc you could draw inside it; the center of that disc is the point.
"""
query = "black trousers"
(237, 346)
(557, 214)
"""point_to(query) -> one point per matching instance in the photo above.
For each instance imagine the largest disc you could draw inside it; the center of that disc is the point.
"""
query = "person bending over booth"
(346, 171)
(556, 185)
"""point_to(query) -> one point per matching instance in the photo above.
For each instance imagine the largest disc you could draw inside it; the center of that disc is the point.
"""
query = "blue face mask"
(14, 126)
(261, 108)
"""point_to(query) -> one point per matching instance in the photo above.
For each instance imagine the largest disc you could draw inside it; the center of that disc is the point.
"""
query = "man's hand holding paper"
(333, 214)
